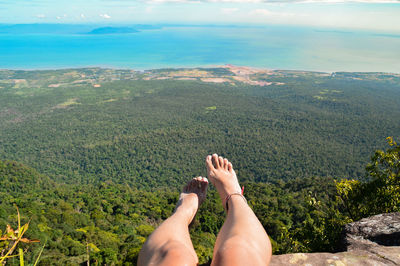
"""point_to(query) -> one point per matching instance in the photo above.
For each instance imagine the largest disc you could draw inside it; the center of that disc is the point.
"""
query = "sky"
(374, 15)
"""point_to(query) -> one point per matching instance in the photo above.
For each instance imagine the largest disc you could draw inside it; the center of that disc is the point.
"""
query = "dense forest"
(95, 168)
(115, 219)
(152, 133)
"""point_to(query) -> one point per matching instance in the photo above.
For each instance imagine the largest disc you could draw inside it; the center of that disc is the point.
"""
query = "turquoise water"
(267, 47)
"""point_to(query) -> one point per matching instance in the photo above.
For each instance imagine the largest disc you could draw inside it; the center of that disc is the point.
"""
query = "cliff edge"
(371, 241)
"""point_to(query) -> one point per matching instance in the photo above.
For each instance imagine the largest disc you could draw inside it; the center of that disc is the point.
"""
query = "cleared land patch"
(67, 103)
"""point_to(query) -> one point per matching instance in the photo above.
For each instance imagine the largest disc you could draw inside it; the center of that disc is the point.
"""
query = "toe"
(215, 160)
(221, 161)
(204, 184)
(226, 164)
(230, 167)
(197, 182)
(193, 183)
(209, 163)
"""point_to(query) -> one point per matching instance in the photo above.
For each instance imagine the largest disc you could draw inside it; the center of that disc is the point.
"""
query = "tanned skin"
(242, 239)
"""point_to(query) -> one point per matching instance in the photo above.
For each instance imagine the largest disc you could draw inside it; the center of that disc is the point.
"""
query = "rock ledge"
(371, 241)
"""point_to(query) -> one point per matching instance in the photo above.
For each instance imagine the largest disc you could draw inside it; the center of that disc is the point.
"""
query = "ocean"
(274, 47)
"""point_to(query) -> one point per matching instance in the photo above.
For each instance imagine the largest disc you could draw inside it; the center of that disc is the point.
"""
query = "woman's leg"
(242, 239)
(170, 243)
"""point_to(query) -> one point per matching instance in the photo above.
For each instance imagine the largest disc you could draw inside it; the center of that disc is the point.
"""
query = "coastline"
(186, 67)
(227, 74)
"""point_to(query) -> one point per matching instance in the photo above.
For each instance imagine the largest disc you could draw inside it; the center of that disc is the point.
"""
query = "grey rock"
(370, 241)
(383, 229)
(353, 258)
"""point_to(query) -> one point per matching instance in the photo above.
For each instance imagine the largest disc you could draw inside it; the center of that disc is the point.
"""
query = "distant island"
(67, 29)
(113, 30)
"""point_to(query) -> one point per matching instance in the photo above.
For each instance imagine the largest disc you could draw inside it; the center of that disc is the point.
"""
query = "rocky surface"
(370, 241)
(383, 229)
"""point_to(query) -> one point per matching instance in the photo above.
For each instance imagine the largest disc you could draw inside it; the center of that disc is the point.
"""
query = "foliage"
(112, 221)
(11, 239)
(109, 222)
(381, 194)
(110, 160)
(155, 133)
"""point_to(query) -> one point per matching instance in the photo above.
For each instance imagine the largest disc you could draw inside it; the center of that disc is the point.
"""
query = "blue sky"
(377, 15)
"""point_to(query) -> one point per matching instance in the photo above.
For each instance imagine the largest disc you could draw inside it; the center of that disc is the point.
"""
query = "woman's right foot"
(221, 174)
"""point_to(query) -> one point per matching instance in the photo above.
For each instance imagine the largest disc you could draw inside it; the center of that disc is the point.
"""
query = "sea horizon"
(161, 46)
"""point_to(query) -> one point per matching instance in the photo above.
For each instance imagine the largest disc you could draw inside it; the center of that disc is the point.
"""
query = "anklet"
(229, 197)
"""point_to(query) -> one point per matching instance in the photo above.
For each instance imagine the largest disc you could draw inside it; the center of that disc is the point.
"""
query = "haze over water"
(274, 47)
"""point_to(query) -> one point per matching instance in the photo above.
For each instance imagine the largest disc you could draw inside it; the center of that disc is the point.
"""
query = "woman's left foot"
(193, 194)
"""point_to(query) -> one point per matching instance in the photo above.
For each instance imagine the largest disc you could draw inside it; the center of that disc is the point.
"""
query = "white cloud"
(41, 16)
(83, 16)
(105, 16)
(268, 13)
(235, 1)
(61, 17)
(228, 11)
(173, 1)
(263, 12)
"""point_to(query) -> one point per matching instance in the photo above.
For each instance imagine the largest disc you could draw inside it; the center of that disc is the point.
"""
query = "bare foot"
(222, 176)
(193, 194)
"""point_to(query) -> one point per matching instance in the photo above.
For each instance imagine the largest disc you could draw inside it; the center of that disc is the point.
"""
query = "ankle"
(185, 214)
(234, 197)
